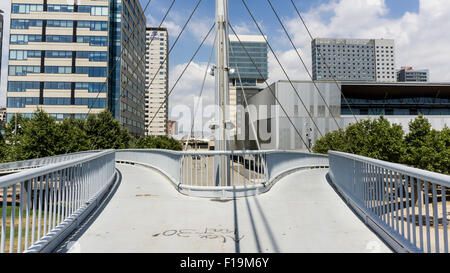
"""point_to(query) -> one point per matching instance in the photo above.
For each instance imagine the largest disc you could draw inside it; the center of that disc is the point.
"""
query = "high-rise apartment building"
(75, 59)
(409, 74)
(354, 59)
(172, 128)
(156, 81)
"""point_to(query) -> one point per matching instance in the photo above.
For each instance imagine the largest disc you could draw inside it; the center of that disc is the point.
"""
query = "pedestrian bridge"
(274, 201)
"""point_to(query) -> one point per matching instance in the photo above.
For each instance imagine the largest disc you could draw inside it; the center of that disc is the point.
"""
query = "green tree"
(424, 146)
(335, 141)
(72, 136)
(445, 152)
(37, 139)
(160, 142)
(3, 148)
(372, 138)
(385, 140)
(104, 132)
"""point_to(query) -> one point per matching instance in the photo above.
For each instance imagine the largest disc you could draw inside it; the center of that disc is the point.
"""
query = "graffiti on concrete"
(206, 234)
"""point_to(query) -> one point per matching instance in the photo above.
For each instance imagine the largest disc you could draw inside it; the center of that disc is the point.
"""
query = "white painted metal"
(406, 211)
(221, 141)
(47, 194)
(253, 172)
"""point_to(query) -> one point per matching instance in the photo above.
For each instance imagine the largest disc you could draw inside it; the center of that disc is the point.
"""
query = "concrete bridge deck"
(144, 213)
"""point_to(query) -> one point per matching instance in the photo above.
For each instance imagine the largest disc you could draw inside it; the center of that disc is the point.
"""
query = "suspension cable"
(270, 88)
(121, 54)
(304, 65)
(201, 94)
(116, 62)
(326, 64)
(245, 101)
(282, 68)
(184, 70)
(170, 51)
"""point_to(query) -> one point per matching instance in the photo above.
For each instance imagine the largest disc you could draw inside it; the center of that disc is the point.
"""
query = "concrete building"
(409, 74)
(251, 78)
(63, 57)
(398, 102)
(237, 108)
(353, 59)
(156, 81)
(172, 128)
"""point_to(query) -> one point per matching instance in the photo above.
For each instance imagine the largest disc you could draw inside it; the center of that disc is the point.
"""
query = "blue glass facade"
(396, 99)
(111, 35)
(126, 96)
(115, 31)
(250, 76)
(397, 107)
(58, 80)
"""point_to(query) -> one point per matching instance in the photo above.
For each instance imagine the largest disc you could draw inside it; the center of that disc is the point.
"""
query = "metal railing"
(42, 205)
(406, 206)
(16, 166)
(244, 168)
(249, 172)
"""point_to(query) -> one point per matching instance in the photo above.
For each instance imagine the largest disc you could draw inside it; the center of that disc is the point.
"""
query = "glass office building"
(396, 99)
(256, 47)
(126, 96)
(61, 56)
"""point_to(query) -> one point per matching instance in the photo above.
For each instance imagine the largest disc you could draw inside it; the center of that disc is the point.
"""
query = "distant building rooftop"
(247, 38)
(379, 90)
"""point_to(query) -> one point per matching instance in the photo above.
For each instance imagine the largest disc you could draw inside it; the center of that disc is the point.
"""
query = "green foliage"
(163, 142)
(72, 136)
(335, 141)
(104, 132)
(38, 137)
(42, 136)
(422, 147)
(426, 148)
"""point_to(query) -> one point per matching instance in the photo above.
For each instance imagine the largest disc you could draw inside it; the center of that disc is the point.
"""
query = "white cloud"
(172, 22)
(421, 39)
(199, 28)
(244, 28)
(188, 88)
(172, 27)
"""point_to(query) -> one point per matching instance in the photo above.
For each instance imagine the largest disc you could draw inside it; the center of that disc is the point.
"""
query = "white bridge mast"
(222, 99)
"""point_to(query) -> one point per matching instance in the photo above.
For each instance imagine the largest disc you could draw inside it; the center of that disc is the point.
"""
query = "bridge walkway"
(144, 213)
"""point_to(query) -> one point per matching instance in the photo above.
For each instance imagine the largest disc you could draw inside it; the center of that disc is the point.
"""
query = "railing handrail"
(231, 152)
(15, 165)
(441, 179)
(251, 172)
(397, 201)
(11, 179)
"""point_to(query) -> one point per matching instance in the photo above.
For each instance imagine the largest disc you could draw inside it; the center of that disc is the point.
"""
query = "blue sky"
(416, 26)
(239, 16)
(392, 10)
